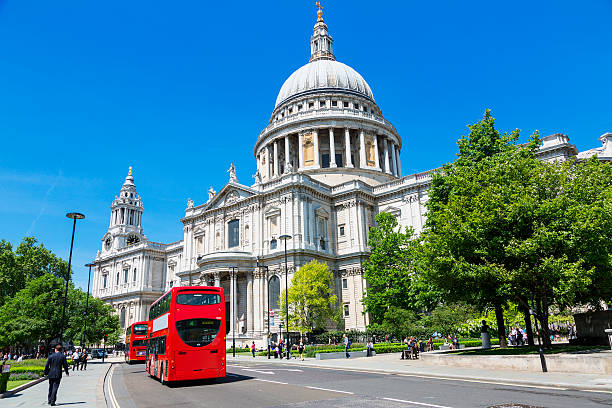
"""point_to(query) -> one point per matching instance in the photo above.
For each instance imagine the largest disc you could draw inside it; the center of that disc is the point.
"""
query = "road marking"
(327, 389)
(258, 371)
(270, 381)
(416, 403)
(110, 388)
(546, 387)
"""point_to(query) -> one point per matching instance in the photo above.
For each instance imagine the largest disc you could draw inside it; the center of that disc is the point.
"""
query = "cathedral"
(327, 163)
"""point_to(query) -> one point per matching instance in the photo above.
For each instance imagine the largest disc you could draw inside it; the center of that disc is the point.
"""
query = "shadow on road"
(232, 378)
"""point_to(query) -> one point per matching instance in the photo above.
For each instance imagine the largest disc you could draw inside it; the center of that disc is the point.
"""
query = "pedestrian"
(347, 344)
(253, 349)
(53, 369)
(430, 346)
(76, 356)
(301, 350)
(84, 357)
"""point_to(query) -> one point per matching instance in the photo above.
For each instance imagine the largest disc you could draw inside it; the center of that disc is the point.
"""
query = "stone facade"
(327, 163)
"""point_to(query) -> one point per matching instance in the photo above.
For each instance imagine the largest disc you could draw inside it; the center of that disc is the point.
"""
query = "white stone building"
(326, 164)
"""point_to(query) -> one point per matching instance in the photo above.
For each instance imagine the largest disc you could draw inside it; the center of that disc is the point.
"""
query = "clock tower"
(125, 226)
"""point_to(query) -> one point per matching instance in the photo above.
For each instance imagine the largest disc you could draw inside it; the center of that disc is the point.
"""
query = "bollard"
(4, 376)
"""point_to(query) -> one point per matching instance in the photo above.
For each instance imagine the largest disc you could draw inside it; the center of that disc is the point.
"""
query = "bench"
(341, 354)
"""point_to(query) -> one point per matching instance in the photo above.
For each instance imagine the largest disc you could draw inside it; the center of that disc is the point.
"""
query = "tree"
(392, 281)
(506, 225)
(28, 262)
(311, 300)
(34, 314)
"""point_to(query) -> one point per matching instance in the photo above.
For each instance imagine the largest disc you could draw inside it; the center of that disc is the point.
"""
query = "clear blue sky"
(180, 89)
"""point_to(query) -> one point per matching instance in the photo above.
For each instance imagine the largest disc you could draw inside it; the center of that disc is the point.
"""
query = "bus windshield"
(198, 299)
(138, 343)
(198, 332)
(140, 329)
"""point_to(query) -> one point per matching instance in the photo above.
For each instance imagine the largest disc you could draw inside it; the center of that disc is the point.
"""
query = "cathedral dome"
(323, 75)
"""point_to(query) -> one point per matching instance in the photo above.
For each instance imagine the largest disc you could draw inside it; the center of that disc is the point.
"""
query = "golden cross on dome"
(319, 5)
(130, 171)
(320, 11)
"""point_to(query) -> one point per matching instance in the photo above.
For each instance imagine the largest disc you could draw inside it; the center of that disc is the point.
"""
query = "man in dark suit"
(53, 369)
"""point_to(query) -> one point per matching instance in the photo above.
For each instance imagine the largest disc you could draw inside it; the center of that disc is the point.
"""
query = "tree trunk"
(501, 328)
(528, 327)
(544, 323)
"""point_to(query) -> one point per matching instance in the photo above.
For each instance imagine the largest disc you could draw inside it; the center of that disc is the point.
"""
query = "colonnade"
(310, 152)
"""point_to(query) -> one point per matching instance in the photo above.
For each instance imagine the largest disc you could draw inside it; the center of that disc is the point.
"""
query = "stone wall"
(591, 326)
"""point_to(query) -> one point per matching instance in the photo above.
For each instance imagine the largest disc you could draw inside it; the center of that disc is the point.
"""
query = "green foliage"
(34, 314)
(502, 225)
(449, 319)
(392, 281)
(28, 262)
(311, 300)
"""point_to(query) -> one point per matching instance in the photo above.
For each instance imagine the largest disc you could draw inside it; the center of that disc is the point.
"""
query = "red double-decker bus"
(135, 342)
(186, 334)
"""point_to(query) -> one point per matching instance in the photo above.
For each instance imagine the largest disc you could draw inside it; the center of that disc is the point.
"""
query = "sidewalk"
(391, 363)
(81, 389)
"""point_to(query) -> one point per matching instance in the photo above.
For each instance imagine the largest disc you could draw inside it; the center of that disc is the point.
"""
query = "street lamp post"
(540, 338)
(75, 216)
(86, 305)
(233, 268)
(285, 238)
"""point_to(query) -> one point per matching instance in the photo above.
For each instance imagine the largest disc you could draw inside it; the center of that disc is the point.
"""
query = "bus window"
(198, 299)
(198, 332)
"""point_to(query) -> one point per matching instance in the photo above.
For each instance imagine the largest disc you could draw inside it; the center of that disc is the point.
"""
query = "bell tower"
(321, 43)
(125, 226)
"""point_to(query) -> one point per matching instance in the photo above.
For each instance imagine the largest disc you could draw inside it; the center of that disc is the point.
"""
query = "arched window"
(218, 241)
(117, 281)
(246, 234)
(273, 244)
(134, 274)
(274, 292)
(122, 318)
(233, 233)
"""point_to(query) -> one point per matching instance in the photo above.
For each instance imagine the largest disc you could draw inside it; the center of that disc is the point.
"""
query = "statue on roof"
(232, 173)
(211, 193)
(257, 177)
(189, 203)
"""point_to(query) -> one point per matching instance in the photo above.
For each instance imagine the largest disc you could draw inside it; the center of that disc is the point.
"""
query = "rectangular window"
(290, 110)
(125, 275)
(339, 160)
(322, 104)
(299, 107)
(134, 274)
(341, 230)
(345, 104)
(234, 233)
(346, 310)
(310, 105)
(344, 284)
(356, 106)
(325, 160)
(104, 278)
(117, 280)
(334, 103)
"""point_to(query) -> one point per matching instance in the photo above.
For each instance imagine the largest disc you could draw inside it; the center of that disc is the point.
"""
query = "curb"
(455, 377)
(22, 387)
(105, 401)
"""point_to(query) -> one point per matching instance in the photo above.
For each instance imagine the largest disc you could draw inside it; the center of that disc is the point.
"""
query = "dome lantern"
(321, 42)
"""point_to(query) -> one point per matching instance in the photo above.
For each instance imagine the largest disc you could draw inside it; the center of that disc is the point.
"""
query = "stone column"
(316, 149)
(287, 150)
(399, 163)
(250, 303)
(376, 159)
(362, 157)
(233, 292)
(300, 151)
(394, 158)
(276, 167)
(217, 277)
(332, 148)
(267, 159)
(386, 153)
(347, 147)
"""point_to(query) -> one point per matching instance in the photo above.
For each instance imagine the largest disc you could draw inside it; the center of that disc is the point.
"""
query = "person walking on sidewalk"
(301, 350)
(347, 344)
(253, 349)
(76, 358)
(84, 357)
(55, 363)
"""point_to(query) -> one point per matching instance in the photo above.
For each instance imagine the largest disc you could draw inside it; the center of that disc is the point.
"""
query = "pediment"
(322, 212)
(272, 212)
(394, 211)
(230, 194)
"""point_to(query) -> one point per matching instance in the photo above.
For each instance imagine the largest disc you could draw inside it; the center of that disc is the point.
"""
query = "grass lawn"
(28, 363)
(516, 351)
(14, 384)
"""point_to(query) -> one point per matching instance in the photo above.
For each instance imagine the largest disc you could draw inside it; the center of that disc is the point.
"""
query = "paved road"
(267, 385)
